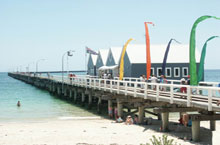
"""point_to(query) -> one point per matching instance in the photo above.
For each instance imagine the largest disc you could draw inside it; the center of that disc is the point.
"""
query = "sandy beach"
(94, 130)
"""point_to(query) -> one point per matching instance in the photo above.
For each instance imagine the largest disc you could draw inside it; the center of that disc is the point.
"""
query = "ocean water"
(212, 75)
(36, 104)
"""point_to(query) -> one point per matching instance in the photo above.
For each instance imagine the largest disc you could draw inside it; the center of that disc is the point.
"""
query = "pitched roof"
(104, 55)
(94, 59)
(178, 53)
(116, 53)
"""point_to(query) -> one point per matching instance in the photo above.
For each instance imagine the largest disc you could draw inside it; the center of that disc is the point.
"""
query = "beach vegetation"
(161, 141)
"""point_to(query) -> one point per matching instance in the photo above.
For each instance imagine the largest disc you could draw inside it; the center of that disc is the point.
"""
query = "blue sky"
(44, 29)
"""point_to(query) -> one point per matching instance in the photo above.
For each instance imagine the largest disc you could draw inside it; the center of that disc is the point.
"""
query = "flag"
(90, 51)
(121, 68)
(202, 59)
(192, 47)
(166, 55)
(148, 59)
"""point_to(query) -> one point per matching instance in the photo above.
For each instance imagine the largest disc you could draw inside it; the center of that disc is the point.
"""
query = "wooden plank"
(149, 112)
(202, 117)
(187, 109)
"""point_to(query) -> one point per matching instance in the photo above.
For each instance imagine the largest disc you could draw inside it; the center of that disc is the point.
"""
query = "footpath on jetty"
(130, 94)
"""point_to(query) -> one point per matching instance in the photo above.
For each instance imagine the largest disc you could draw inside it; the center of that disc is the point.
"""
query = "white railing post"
(209, 100)
(80, 82)
(94, 83)
(90, 82)
(126, 88)
(105, 85)
(171, 94)
(145, 91)
(111, 86)
(76, 81)
(99, 84)
(157, 92)
(118, 87)
(85, 82)
(188, 96)
(135, 89)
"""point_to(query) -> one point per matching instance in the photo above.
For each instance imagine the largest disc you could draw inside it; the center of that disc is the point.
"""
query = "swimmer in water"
(19, 104)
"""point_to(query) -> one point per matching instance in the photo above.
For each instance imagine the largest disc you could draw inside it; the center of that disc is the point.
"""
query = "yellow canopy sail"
(121, 74)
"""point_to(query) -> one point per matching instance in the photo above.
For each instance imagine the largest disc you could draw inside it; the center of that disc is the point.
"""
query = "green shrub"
(161, 141)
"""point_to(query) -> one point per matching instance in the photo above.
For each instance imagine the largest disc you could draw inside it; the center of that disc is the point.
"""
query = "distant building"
(114, 55)
(177, 66)
(92, 64)
(101, 59)
(177, 62)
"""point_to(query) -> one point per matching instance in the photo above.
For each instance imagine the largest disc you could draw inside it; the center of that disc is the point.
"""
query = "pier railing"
(206, 96)
(192, 96)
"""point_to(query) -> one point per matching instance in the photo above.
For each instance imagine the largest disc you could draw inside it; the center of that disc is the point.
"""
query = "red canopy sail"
(148, 59)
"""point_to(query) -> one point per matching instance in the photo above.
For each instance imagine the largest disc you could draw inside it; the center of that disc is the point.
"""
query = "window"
(159, 71)
(185, 71)
(176, 72)
(168, 72)
(152, 71)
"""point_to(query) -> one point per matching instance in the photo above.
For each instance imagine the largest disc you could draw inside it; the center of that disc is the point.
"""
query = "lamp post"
(69, 53)
(28, 67)
(37, 64)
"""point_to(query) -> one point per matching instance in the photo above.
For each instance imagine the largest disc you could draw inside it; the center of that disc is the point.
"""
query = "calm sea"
(38, 105)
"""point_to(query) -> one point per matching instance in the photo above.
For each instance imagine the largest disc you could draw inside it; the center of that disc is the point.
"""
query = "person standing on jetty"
(153, 80)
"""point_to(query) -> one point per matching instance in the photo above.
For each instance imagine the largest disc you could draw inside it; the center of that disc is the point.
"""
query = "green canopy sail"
(192, 59)
(202, 59)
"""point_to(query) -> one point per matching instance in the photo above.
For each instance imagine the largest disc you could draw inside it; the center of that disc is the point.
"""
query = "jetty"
(131, 95)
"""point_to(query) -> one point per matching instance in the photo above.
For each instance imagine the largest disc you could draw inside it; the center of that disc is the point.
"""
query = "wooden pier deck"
(133, 94)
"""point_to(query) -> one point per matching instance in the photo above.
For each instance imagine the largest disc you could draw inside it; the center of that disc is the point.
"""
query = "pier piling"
(195, 130)
(165, 121)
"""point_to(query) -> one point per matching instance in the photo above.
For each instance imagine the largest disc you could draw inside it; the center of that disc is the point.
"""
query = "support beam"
(141, 114)
(161, 110)
(58, 90)
(110, 109)
(90, 100)
(129, 110)
(212, 125)
(204, 117)
(152, 113)
(75, 95)
(131, 113)
(165, 121)
(65, 91)
(99, 105)
(54, 88)
(83, 98)
(71, 93)
(195, 130)
(120, 108)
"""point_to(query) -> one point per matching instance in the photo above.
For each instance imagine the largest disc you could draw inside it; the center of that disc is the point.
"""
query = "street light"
(37, 64)
(69, 53)
(28, 67)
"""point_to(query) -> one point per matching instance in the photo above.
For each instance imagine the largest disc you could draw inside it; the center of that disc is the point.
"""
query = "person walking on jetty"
(163, 80)
(153, 80)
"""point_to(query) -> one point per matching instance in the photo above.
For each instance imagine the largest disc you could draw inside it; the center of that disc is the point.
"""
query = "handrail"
(170, 92)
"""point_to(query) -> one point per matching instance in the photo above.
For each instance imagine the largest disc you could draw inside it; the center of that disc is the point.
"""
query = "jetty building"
(177, 65)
